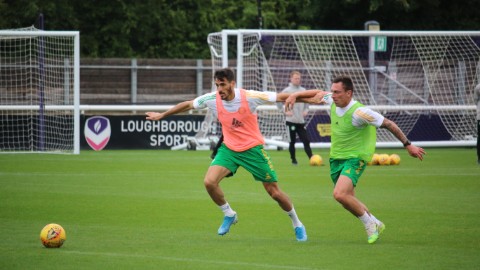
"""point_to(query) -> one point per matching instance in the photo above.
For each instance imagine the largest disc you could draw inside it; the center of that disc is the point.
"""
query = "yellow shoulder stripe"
(364, 115)
(260, 95)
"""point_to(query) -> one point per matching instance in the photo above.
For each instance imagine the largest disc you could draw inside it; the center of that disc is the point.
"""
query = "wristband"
(407, 143)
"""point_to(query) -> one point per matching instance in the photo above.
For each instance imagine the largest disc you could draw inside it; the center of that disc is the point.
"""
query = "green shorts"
(353, 168)
(255, 160)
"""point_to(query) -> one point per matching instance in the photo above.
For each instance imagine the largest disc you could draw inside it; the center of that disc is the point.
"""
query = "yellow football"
(316, 160)
(394, 159)
(374, 160)
(384, 159)
(53, 236)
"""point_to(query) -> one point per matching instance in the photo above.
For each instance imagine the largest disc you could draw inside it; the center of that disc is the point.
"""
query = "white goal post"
(39, 91)
(423, 80)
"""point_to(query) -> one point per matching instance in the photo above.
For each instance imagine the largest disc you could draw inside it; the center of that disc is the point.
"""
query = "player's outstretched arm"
(317, 99)
(313, 96)
(180, 107)
(414, 151)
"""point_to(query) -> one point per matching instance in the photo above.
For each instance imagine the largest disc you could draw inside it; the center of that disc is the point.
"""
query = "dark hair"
(347, 82)
(224, 73)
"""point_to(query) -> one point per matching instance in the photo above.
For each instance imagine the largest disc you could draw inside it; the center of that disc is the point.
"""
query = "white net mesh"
(434, 72)
(36, 92)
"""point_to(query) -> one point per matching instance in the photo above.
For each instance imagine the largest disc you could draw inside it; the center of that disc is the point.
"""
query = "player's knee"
(274, 194)
(277, 195)
(209, 183)
(339, 196)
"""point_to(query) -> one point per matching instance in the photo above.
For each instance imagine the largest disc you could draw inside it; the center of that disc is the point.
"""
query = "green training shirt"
(349, 141)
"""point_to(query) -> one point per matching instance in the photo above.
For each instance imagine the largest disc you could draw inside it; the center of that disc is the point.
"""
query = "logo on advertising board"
(97, 132)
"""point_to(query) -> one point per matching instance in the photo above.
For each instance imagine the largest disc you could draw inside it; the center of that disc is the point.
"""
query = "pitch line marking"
(190, 260)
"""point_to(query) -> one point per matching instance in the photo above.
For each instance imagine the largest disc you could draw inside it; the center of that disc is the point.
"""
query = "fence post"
(133, 82)
(66, 81)
(372, 80)
(199, 77)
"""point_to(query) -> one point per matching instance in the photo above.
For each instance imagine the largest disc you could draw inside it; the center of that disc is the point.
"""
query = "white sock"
(293, 216)
(366, 219)
(375, 219)
(227, 210)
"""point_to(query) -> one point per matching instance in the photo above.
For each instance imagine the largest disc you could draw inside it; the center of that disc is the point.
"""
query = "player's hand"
(416, 152)
(318, 98)
(289, 102)
(154, 115)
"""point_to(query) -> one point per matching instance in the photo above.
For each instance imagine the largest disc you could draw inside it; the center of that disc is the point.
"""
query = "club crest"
(97, 132)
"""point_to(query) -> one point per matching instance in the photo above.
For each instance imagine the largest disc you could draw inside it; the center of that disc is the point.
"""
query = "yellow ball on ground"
(394, 159)
(384, 159)
(316, 160)
(374, 160)
(53, 236)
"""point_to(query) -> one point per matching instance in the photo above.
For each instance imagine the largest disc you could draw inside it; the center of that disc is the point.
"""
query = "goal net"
(423, 81)
(39, 91)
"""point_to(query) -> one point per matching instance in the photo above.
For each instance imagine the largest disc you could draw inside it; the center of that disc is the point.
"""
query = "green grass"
(149, 210)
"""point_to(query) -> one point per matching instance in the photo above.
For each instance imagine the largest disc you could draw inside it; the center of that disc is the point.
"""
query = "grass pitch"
(149, 210)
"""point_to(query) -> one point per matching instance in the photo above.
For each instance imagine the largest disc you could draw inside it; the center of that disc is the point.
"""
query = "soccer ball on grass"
(394, 159)
(374, 160)
(384, 159)
(53, 236)
(316, 160)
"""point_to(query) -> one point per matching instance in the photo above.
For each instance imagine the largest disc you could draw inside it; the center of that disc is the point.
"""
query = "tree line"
(179, 28)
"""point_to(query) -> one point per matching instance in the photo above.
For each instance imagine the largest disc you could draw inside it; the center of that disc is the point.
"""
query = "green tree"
(179, 29)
